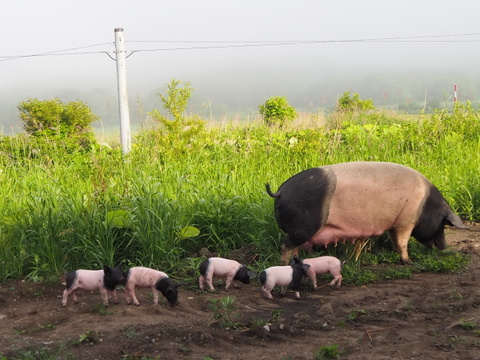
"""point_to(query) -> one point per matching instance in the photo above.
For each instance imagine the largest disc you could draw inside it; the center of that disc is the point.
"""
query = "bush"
(347, 103)
(52, 119)
(277, 111)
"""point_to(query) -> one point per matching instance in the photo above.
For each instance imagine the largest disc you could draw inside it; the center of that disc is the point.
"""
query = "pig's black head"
(244, 274)
(113, 276)
(299, 270)
(168, 289)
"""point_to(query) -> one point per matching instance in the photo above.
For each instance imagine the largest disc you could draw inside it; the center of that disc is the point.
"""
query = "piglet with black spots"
(105, 281)
(289, 275)
(324, 265)
(143, 277)
(219, 267)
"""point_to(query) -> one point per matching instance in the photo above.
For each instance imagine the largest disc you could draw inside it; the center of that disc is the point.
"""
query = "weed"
(39, 353)
(130, 332)
(90, 337)
(467, 324)
(224, 312)
(356, 315)
(100, 309)
(329, 352)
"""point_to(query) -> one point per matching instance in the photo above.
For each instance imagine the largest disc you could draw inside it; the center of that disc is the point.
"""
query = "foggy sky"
(168, 41)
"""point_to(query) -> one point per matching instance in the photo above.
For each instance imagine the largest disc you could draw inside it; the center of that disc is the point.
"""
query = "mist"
(237, 55)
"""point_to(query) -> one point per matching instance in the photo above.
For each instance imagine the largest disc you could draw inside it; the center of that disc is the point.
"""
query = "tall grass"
(57, 206)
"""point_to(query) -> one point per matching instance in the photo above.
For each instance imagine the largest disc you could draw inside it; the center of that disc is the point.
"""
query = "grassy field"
(64, 209)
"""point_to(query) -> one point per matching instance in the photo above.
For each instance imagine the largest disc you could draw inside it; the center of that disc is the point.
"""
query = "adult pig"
(105, 281)
(357, 200)
(143, 277)
(323, 265)
(289, 275)
(219, 267)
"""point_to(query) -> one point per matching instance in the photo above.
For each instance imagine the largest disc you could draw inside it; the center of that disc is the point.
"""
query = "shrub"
(277, 111)
(53, 119)
(354, 103)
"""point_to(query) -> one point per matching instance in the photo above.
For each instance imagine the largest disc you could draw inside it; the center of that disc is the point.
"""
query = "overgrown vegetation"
(277, 111)
(64, 209)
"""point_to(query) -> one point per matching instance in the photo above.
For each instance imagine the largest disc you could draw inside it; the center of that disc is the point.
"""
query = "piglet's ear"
(106, 269)
(119, 265)
(306, 267)
(250, 273)
(177, 285)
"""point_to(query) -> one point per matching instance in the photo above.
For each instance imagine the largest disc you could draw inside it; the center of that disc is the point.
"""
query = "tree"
(175, 102)
(57, 120)
(347, 103)
(277, 111)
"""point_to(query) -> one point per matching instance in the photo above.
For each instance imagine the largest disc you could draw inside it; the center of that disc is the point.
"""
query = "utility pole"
(122, 91)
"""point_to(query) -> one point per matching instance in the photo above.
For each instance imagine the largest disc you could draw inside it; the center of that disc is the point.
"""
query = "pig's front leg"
(113, 294)
(297, 295)
(313, 277)
(201, 280)
(104, 294)
(229, 281)
(155, 295)
(210, 282)
(65, 297)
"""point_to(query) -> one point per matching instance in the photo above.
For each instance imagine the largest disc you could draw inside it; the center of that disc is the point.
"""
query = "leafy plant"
(353, 103)
(356, 315)
(54, 119)
(224, 312)
(329, 352)
(90, 337)
(277, 111)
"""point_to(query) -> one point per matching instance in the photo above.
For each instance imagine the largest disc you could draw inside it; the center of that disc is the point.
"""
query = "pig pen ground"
(429, 316)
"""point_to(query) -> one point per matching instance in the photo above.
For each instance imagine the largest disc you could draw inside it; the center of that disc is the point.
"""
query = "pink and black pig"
(358, 200)
(143, 277)
(324, 265)
(105, 281)
(284, 276)
(223, 268)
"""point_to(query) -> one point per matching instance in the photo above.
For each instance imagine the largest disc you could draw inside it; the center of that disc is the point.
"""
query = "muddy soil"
(429, 316)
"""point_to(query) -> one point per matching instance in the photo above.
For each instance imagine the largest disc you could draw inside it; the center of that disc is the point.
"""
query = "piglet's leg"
(113, 294)
(104, 294)
(201, 280)
(210, 283)
(297, 295)
(337, 278)
(266, 293)
(229, 281)
(155, 295)
(65, 297)
(74, 296)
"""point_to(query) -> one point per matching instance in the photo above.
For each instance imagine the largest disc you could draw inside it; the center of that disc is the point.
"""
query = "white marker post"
(122, 91)
(455, 93)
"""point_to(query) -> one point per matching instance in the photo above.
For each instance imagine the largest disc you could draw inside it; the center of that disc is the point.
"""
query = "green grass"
(56, 204)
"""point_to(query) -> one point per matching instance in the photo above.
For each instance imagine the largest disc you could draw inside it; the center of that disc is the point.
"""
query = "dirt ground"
(430, 316)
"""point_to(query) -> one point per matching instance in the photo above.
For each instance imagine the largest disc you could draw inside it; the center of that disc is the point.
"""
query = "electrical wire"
(229, 44)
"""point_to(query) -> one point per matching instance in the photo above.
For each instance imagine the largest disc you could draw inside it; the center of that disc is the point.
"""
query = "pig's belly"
(332, 234)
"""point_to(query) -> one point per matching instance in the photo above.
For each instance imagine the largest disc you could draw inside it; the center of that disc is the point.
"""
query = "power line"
(229, 44)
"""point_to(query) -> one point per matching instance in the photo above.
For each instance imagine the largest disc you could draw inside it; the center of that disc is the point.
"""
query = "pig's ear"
(119, 265)
(177, 285)
(106, 269)
(306, 267)
(250, 273)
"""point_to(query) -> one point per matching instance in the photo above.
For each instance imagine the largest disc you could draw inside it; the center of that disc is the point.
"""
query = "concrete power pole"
(122, 91)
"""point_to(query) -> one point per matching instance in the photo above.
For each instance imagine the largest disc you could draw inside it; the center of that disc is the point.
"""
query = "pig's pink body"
(142, 277)
(324, 265)
(278, 276)
(220, 268)
(89, 280)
